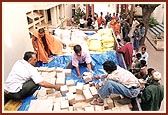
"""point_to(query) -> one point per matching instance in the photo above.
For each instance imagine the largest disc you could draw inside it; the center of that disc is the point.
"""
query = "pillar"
(126, 9)
(57, 11)
(87, 10)
(92, 10)
(131, 13)
(45, 16)
(121, 9)
(53, 16)
(117, 8)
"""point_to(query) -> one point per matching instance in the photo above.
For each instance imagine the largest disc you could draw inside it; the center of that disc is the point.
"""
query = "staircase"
(155, 35)
(157, 30)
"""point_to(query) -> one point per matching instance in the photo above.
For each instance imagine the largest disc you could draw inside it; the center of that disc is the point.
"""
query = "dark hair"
(109, 66)
(138, 55)
(127, 39)
(77, 48)
(142, 24)
(150, 70)
(143, 63)
(137, 26)
(95, 18)
(28, 55)
(41, 30)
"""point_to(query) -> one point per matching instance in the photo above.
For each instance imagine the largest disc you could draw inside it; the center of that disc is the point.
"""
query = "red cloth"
(127, 51)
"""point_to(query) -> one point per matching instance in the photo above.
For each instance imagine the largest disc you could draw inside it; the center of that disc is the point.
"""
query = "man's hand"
(96, 77)
(80, 76)
(57, 87)
(97, 86)
(104, 75)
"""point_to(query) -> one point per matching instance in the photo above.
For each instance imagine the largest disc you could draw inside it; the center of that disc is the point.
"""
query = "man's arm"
(78, 72)
(89, 67)
(101, 76)
(49, 85)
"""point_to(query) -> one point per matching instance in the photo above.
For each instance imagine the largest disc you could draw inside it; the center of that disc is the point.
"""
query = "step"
(157, 29)
(154, 31)
(151, 32)
(160, 27)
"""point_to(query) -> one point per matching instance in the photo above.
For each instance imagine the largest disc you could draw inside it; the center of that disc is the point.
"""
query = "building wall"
(68, 10)
(15, 33)
(158, 13)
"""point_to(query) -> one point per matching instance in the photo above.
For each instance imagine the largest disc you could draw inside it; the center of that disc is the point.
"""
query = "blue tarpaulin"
(62, 61)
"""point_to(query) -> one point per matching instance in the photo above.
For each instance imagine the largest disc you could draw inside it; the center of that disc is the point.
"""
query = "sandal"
(96, 102)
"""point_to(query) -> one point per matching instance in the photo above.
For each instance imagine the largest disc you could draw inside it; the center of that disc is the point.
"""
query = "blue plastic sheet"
(62, 61)
(26, 103)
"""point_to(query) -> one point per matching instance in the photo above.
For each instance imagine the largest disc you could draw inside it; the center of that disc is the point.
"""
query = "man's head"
(41, 32)
(143, 49)
(142, 63)
(156, 76)
(138, 55)
(78, 50)
(30, 57)
(150, 71)
(126, 39)
(109, 66)
(137, 27)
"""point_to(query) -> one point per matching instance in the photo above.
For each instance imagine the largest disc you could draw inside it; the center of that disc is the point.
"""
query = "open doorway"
(49, 15)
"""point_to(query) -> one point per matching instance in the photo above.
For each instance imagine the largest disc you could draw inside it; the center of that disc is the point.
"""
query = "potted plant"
(152, 22)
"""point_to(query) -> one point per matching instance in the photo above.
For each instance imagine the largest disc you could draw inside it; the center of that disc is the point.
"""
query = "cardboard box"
(70, 82)
(64, 89)
(93, 91)
(67, 72)
(87, 94)
(79, 88)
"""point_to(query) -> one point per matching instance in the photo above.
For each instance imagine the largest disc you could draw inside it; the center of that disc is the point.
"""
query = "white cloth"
(21, 72)
(124, 77)
(82, 21)
(95, 25)
(134, 24)
(145, 56)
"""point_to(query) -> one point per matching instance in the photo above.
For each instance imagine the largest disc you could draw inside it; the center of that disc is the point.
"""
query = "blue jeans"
(112, 87)
(136, 44)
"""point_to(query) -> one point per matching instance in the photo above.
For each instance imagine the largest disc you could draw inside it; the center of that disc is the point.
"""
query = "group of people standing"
(136, 62)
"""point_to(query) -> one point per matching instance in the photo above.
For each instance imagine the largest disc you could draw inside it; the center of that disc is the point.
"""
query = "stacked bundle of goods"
(102, 44)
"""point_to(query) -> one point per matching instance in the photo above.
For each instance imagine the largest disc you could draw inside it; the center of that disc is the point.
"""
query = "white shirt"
(134, 23)
(124, 77)
(21, 72)
(95, 25)
(82, 21)
(145, 56)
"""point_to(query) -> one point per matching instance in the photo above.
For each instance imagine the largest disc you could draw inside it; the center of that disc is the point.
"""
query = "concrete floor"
(157, 60)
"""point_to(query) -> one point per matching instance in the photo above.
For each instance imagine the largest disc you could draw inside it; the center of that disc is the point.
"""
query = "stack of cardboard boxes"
(71, 97)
